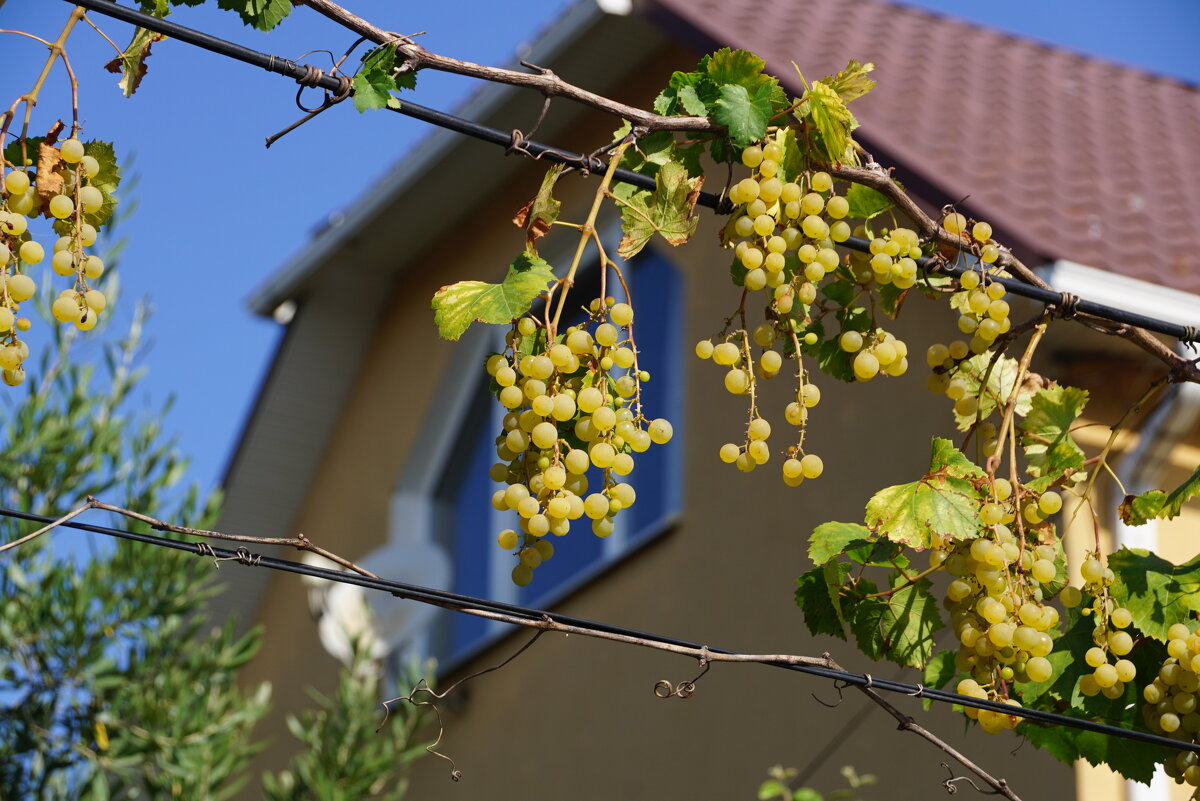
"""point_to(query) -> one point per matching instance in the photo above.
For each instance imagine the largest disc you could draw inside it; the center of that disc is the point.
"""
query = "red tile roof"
(1075, 157)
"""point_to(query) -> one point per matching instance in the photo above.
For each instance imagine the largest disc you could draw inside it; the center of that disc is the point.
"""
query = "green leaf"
(458, 305)
(898, 627)
(852, 82)
(1156, 592)
(744, 112)
(830, 539)
(375, 80)
(891, 298)
(1000, 383)
(944, 502)
(866, 202)
(773, 788)
(1137, 509)
(833, 121)
(876, 553)
(261, 14)
(818, 596)
(740, 67)
(1049, 448)
(666, 211)
(131, 64)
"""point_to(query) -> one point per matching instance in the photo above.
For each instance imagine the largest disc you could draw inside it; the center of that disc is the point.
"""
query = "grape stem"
(1006, 421)
(585, 234)
(30, 98)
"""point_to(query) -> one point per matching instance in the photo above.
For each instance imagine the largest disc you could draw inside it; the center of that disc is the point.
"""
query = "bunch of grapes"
(62, 191)
(1172, 699)
(1111, 643)
(573, 403)
(784, 236)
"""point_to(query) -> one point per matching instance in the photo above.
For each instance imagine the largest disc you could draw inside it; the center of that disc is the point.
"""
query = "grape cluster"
(1111, 643)
(1172, 700)
(65, 194)
(784, 235)
(573, 403)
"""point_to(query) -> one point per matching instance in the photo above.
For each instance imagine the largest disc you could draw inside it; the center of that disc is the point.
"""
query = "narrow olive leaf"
(375, 81)
(852, 82)
(830, 539)
(261, 14)
(943, 502)
(833, 122)
(1156, 592)
(131, 64)
(818, 596)
(1045, 431)
(898, 627)
(458, 305)
(541, 211)
(744, 112)
(1137, 509)
(866, 202)
(666, 211)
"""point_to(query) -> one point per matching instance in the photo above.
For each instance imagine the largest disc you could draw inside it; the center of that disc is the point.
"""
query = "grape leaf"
(690, 92)
(876, 553)
(131, 64)
(944, 502)
(375, 81)
(818, 596)
(891, 298)
(1045, 431)
(833, 122)
(261, 14)
(898, 627)
(1000, 384)
(866, 202)
(541, 211)
(666, 211)
(1156, 592)
(744, 112)
(830, 539)
(852, 82)
(1132, 759)
(1137, 509)
(458, 305)
(740, 67)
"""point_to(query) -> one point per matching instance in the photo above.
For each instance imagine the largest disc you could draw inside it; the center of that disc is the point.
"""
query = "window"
(449, 501)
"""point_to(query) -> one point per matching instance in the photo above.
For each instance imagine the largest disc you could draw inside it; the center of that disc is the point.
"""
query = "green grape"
(758, 451)
(522, 575)
(737, 381)
(16, 182)
(866, 366)
(759, 429)
(730, 452)
(507, 539)
(62, 206)
(812, 466)
(71, 150)
(90, 198)
(851, 341)
(981, 231)
(821, 182)
(21, 287)
(954, 223)
(660, 431)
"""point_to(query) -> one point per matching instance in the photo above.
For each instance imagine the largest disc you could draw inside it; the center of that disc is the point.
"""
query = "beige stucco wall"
(577, 718)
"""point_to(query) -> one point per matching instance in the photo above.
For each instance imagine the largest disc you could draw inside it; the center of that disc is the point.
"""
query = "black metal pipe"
(486, 133)
(463, 603)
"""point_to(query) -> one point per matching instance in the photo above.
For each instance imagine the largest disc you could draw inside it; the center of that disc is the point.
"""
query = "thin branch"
(906, 723)
(299, 542)
(68, 516)
(417, 58)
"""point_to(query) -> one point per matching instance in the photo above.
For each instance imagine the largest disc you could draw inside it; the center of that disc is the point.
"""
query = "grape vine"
(826, 249)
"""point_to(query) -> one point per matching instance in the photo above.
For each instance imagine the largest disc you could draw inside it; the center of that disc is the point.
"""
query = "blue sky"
(219, 214)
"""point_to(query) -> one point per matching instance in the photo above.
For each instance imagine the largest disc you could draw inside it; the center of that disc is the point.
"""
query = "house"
(370, 433)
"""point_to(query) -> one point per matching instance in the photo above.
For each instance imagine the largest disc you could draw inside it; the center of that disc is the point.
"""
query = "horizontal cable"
(537, 150)
(471, 605)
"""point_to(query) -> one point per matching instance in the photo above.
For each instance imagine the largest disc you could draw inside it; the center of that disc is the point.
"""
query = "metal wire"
(298, 72)
(469, 603)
